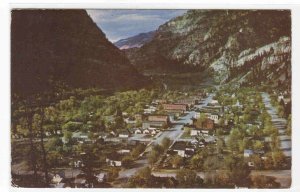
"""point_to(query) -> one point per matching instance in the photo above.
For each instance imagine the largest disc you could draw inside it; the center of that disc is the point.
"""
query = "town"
(223, 136)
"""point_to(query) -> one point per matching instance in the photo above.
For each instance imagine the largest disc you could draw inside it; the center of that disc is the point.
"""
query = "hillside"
(65, 48)
(135, 41)
(214, 41)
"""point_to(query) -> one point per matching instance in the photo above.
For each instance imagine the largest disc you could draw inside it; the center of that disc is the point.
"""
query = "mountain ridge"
(65, 47)
(199, 38)
(135, 41)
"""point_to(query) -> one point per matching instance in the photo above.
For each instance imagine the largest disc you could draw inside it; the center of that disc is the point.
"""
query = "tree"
(176, 161)
(88, 159)
(197, 162)
(234, 137)
(38, 122)
(137, 150)
(289, 126)
(165, 143)
(239, 171)
(221, 122)
(127, 161)
(262, 181)
(258, 145)
(143, 178)
(200, 120)
(54, 144)
(279, 159)
(258, 163)
(67, 136)
(220, 145)
(188, 179)
(153, 156)
(211, 163)
(113, 173)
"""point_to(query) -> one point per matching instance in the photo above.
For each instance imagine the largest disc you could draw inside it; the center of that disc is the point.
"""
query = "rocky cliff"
(216, 41)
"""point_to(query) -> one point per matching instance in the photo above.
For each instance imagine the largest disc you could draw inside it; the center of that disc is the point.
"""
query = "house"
(124, 134)
(124, 151)
(153, 132)
(150, 110)
(146, 131)
(160, 101)
(195, 132)
(214, 102)
(280, 97)
(183, 149)
(114, 159)
(214, 117)
(79, 136)
(58, 178)
(248, 152)
(138, 131)
(130, 120)
(177, 108)
(197, 115)
(138, 117)
(101, 177)
(78, 164)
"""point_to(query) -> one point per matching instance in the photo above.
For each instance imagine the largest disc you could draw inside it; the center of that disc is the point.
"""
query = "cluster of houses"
(77, 179)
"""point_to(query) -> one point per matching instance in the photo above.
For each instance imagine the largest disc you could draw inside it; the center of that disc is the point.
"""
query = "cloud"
(118, 23)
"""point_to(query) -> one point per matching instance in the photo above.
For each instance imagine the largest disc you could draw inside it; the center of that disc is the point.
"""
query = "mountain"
(135, 41)
(65, 47)
(227, 44)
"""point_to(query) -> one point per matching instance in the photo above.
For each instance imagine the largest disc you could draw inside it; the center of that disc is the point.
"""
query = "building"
(146, 131)
(197, 115)
(101, 177)
(160, 118)
(124, 151)
(160, 101)
(195, 132)
(156, 122)
(114, 160)
(138, 117)
(130, 120)
(124, 134)
(183, 149)
(189, 102)
(58, 178)
(138, 131)
(214, 117)
(177, 108)
(248, 152)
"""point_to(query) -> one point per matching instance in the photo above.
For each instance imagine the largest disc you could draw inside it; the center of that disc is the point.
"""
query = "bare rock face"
(65, 47)
(211, 40)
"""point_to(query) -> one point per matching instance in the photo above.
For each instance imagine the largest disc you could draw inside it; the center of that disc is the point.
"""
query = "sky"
(120, 24)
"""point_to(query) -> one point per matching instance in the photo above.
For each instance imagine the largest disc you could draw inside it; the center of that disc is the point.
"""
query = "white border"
(135, 4)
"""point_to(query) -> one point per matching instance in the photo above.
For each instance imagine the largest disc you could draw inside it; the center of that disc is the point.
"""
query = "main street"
(174, 133)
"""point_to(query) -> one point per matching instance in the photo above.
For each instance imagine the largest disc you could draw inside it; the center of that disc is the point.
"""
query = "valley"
(203, 101)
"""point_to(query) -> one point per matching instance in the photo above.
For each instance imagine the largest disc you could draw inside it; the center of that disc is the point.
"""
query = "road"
(282, 176)
(280, 124)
